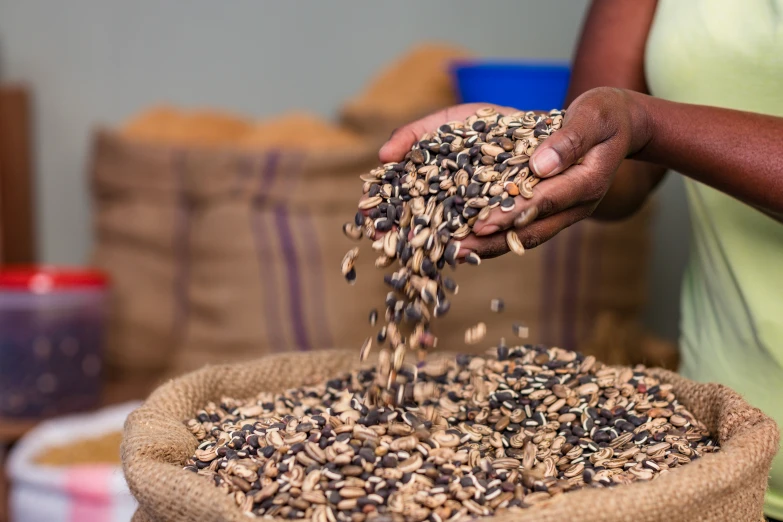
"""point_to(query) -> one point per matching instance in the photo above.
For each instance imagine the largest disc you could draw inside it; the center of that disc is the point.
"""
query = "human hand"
(601, 128)
(577, 164)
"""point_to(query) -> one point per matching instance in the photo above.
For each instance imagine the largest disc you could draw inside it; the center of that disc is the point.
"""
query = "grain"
(469, 436)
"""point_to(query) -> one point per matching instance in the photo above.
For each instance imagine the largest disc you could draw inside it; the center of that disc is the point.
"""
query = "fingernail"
(486, 230)
(526, 217)
(545, 162)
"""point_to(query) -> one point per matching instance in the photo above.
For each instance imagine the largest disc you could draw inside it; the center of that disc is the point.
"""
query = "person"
(697, 88)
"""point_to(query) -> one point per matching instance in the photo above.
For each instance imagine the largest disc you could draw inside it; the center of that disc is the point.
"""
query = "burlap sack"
(726, 486)
(224, 254)
(221, 255)
(141, 227)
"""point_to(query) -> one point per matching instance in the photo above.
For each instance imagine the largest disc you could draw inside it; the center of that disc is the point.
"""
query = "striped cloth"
(85, 493)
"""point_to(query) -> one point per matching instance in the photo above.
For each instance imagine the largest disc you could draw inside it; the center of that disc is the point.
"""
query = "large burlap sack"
(728, 485)
(141, 226)
(225, 254)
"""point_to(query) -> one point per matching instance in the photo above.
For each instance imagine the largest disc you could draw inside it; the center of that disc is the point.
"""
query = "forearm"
(738, 153)
(611, 53)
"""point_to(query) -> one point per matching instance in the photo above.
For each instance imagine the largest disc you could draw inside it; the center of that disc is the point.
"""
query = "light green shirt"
(728, 53)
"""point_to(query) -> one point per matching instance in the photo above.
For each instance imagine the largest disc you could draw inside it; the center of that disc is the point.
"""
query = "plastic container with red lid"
(52, 324)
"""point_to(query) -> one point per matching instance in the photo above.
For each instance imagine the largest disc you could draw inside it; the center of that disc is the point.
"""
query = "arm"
(739, 153)
(611, 53)
(606, 125)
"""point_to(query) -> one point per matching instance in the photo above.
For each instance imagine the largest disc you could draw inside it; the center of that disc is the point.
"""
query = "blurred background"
(168, 153)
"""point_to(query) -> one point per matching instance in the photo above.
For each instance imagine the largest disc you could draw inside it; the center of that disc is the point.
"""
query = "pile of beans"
(472, 436)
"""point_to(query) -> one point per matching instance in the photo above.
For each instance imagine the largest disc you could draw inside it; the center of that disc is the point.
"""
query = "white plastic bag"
(83, 493)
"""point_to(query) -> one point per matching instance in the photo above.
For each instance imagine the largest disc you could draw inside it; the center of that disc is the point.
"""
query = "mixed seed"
(470, 436)
(423, 206)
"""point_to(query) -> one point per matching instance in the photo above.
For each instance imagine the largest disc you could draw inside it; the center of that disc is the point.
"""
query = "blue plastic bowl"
(529, 86)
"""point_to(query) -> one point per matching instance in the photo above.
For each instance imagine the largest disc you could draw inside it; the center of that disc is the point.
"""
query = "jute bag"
(226, 254)
(221, 255)
(728, 485)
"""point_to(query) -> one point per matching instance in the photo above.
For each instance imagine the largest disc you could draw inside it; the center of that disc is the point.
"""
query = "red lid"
(42, 279)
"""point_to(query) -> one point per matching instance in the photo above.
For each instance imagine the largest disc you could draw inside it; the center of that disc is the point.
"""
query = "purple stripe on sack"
(181, 243)
(318, 303)
(274, 323)
(571, 289)
(295, 291)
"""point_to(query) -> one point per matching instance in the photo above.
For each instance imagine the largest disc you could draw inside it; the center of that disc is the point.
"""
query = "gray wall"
(98, 61)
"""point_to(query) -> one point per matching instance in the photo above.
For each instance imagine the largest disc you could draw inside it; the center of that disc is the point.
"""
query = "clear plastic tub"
(52, 323)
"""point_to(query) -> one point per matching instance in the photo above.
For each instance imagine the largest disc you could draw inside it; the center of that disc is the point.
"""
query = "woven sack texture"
(728, 485)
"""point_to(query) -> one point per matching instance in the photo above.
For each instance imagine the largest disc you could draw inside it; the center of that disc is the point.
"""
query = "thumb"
(581, 131)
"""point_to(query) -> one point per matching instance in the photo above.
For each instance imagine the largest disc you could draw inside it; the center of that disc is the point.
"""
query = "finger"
(486, 247)
(541, 231)
(577, 186)
(531, 236)
(586, 124)
(403, 138)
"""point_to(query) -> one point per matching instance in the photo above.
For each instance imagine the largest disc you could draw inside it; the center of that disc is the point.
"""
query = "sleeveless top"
(728, 53)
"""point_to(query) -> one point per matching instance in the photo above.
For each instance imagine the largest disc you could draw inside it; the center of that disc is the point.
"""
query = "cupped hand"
(405, 137)
(577, 164)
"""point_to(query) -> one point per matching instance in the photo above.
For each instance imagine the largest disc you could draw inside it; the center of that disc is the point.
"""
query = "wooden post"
(17, 218)
(17, 211)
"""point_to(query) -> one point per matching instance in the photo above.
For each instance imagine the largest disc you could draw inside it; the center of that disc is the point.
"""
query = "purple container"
(52, 323)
